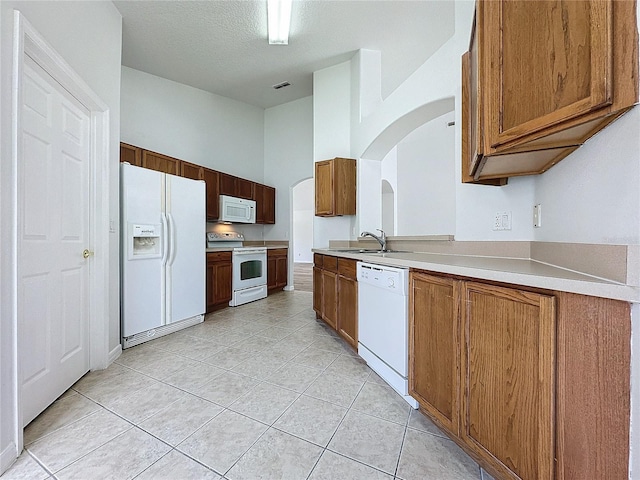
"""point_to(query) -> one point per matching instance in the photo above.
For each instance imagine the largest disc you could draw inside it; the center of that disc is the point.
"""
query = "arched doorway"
(302, 212)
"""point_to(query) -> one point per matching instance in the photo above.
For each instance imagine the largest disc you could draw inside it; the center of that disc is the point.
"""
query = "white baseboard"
(114, 354)
(7, 457)
(288, 288)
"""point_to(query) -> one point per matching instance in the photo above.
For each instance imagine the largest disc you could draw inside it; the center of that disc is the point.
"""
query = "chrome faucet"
(382, 239)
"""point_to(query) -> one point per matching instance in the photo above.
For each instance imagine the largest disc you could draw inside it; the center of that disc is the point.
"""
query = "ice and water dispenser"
(144, 241)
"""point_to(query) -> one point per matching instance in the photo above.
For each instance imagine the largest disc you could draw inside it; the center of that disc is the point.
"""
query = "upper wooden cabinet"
(131, 154)
(161, 163)
(335, 182)
(211, 179)
(244, 188)
(227, 184)
(265, 198)
(192, 171)
(236, 186)
(540, 78)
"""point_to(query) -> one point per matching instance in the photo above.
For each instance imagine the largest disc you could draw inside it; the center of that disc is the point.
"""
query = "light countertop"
(516, 271)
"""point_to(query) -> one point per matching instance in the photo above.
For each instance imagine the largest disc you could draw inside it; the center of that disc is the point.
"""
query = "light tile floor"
(261, 391)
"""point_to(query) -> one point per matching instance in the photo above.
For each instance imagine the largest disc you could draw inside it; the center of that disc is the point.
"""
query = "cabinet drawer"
(219, 257)
(277, 252)
(347, 268)
(318, 260)
(330, 263)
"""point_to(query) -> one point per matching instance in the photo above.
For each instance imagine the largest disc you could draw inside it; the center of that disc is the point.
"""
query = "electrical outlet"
(537, 215)
(497, 221)
(502, 221)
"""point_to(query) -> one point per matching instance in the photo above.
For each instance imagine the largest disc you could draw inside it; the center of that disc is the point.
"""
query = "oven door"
(249, 268)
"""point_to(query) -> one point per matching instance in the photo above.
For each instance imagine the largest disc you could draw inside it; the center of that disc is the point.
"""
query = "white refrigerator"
(163, 265)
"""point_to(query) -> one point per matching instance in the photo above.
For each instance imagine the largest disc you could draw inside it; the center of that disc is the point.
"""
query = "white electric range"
(249, 280)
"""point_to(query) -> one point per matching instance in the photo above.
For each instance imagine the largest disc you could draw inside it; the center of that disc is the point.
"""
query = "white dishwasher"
(383, 324)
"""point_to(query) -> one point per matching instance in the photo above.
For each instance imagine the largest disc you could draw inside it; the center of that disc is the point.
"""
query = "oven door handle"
(249, 252)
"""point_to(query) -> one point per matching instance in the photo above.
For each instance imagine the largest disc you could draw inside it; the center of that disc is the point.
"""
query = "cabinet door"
(317, 290)
(281, 271)
(161, 163)
(227, 185)
(348, 310)
(269, 205)
(329, 298)
(324, 188)
(508, 357)
(258, 196)
(210, 281)
(434, 347)
(271, 272)
(131, 154)
(244, 188)
(211, 179)
(222, 283)
(546, 62)
(189, 170)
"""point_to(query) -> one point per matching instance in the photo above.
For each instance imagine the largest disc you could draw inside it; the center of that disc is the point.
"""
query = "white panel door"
(53, 226)
(186, 263)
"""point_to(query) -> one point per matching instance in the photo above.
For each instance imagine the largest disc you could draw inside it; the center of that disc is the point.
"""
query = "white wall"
(389, 172)
(303, 206)
(288, 157)
(593, 195)
(369, 204)
(425, 176)
(332, 138)
(191, 124)
(88, 36)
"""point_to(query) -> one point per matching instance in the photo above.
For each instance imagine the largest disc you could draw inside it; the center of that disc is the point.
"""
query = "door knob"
(86, 253)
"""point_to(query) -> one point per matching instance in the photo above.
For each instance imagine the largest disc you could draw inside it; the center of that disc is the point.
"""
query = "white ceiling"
(221, 46)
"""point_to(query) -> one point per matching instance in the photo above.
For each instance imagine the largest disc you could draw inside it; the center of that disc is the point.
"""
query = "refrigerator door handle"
(165, 239)
(172, 233)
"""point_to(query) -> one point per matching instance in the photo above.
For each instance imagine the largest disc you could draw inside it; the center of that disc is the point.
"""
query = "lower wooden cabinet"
(277, 268)
(218, 280)
(317, 284)
(347, 320)
(532, 384)
(434, 347)
(335, 295)
(330, 298)
(508, 358)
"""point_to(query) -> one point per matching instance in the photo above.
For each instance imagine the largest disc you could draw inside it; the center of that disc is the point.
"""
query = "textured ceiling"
(221, 46)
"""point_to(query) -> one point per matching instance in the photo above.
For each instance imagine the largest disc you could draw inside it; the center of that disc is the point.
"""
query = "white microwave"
(237, 210)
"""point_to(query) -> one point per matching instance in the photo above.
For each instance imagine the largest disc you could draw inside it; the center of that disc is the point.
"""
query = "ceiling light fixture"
(279, 19)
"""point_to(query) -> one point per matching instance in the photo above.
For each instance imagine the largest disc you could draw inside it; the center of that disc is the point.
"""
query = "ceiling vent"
(278, 86)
